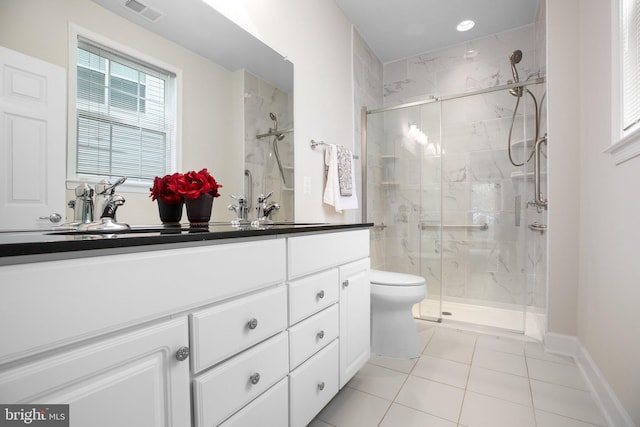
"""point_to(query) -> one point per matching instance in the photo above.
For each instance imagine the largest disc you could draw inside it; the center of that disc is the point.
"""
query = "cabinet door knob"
(345, 283)
(253, 323)
(321, 386)
(255, 378)
(320, 334)
(182, 354)
(321, 294)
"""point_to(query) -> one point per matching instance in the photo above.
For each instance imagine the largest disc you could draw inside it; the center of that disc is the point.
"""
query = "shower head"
(273, 117)
(280, 136)
(516, 57)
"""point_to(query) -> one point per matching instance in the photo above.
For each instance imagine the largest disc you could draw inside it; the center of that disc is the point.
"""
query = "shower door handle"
(540, 201)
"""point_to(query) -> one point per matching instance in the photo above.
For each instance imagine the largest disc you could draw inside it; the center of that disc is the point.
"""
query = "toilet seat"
(388, 278)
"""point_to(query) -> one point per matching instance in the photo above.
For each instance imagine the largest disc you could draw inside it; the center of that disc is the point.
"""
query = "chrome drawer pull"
(320, 294)
(182, 354)
(253, 323)
(255, 378)
(321, 386)
(321, 334)
(345, 283)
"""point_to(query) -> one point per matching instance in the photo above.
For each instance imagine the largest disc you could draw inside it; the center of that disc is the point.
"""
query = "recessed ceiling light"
(465, 25)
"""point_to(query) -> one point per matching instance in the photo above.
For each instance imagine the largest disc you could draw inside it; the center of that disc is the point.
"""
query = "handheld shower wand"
(515, 58)
(518, 91)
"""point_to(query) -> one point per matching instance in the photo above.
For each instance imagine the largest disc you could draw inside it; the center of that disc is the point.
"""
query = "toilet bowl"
(393, 330)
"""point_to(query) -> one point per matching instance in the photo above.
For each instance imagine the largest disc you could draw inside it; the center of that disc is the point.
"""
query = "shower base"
(528, 323)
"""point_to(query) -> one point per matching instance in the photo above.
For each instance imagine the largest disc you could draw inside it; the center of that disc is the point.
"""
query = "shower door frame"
(363, 141)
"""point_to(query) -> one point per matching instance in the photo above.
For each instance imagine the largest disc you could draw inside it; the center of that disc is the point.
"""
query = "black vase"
(170, 213)
(199, 210)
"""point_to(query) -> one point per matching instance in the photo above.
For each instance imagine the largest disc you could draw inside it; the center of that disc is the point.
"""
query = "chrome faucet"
(113, 202)
(107, 201)
(241, 210)
(263, 211)
(106, 204)
(82, 206)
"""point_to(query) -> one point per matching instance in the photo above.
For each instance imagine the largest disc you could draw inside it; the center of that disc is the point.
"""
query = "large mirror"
(236, 111)
(266, 78)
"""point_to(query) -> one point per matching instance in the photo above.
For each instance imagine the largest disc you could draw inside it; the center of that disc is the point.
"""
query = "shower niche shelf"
(519, 144)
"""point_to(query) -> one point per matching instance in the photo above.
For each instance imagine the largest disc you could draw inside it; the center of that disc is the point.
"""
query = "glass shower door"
(483, 237)
(404, 196)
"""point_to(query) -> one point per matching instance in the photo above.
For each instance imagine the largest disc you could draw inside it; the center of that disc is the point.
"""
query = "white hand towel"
(332, 194)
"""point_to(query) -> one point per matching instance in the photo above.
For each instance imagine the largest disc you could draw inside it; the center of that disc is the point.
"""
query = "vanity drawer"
(312, 294)
(269, 409)
(310, 335)
(226, 388)
(313, 385)
(310, 253)
(225, 329)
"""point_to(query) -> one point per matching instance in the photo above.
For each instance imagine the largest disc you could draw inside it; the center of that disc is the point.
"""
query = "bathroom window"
(125, 116)
(626, 77)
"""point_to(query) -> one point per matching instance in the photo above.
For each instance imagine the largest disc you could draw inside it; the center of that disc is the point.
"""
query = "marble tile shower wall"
(260, 99)
(367, 77)
(473, 182)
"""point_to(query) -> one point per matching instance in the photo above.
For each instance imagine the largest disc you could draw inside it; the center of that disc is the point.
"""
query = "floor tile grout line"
(466, 385)
(533, 404)
(425, 412)
(571, 418)
(395, 396)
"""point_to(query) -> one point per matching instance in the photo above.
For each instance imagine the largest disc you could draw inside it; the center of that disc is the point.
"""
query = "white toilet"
(393, 330)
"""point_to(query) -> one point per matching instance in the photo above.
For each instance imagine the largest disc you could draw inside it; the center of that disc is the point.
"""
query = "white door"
(355, 318)
(32, 142)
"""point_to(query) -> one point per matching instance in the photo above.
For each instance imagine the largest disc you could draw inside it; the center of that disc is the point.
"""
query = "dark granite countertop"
(26, 243)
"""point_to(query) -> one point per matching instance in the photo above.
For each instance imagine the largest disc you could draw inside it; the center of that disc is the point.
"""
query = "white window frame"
(625, 144)
(174, 91)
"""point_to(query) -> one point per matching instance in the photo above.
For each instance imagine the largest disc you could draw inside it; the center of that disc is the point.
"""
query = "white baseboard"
(567, 345)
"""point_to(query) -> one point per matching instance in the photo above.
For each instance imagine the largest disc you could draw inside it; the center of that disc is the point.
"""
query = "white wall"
(594, 238)
(563, 107)
(40, 28)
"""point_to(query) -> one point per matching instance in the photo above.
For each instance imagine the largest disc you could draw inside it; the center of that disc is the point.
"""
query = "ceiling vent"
(143, 10)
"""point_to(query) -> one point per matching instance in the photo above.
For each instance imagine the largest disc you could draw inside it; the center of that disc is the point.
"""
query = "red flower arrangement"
(194, 184)
(167, 189)
(174, 188)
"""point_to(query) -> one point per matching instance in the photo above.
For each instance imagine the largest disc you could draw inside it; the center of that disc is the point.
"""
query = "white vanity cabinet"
(131, 379)
(232, 333)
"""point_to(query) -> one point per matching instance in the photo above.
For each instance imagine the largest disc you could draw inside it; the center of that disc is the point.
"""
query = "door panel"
(32, 141)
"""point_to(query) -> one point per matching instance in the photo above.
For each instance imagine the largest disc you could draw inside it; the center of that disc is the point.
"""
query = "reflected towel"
(332, 194)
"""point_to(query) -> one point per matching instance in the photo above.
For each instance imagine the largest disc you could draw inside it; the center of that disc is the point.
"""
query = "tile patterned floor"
(466, 379)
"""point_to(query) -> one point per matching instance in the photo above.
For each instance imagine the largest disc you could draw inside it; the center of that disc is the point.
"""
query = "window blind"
(124, 117)
(631, 64)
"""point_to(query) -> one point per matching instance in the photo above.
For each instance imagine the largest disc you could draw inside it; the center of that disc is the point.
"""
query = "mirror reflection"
(229, 86)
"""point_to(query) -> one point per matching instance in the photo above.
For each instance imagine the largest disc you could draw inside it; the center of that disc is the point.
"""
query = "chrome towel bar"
(482, 226)
(314, 144)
